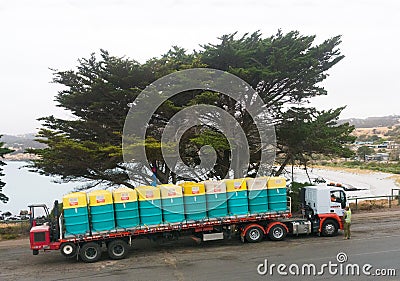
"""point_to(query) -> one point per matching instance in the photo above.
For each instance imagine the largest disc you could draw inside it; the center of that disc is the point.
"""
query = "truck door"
(338, 202)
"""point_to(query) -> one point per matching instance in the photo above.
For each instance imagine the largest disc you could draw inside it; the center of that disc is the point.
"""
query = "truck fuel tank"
(301, 227)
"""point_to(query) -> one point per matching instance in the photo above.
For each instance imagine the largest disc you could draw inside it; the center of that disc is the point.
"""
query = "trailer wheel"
(90, 252)
(68, 249)
(117, 249)
(329, 228)
(254, 234)
(277, 232)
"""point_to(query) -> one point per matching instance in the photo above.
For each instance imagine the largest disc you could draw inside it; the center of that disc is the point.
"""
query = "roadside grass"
(14, 230)
(369, 205)
(392, 168)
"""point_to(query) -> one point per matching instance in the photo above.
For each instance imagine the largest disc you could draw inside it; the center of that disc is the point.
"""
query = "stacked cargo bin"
(76, 217)
(101, 211)
(277, 194)
(172, 203)
(126, 208)
(237, 197)
(217, 205)
(258, 195)
(194, 199)
(149, 205)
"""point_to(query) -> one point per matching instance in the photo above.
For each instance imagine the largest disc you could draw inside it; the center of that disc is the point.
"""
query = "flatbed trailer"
(317, 218)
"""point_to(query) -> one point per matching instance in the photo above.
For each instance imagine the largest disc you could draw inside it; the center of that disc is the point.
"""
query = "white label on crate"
(149, 194)
(124, 196)
(73, 201)
(171, 192)
(237, 185)
(195, 189)
(100, 199)
(217, 189)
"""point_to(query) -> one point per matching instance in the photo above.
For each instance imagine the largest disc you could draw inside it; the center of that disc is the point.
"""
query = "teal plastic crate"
(258, 201)
(277, 199)
(173, 210)
(217, 205)
(127, 215)
(102, 218)
(238, 203)
(150, 212)
(195, 207)
(76, 221)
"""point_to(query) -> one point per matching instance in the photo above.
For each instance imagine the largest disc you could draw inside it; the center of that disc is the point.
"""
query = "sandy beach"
(371, 183)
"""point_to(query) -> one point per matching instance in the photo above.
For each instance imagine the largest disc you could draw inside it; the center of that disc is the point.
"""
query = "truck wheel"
(254, 234)
(117, 249)
(277, 232)
(90, 252)
(68, 249)
(329, 228)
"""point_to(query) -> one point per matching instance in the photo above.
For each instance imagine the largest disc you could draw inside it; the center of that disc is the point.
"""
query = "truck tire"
(277, 232)
(329, 228)
(90, 252)
(254, 234)
(68, 249)
(117, 249)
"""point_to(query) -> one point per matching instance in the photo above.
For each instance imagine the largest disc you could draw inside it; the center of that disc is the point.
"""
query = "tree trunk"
(283, 165)
(292, 172)
(173, 175)
(308, 176)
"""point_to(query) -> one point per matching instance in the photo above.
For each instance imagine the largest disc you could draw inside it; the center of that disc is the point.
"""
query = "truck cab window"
(337, 196)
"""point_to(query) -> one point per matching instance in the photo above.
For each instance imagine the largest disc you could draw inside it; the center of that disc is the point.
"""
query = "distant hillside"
(21, 142)
(373, 122)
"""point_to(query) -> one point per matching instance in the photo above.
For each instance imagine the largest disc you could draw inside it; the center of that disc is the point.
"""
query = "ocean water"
(24, 188)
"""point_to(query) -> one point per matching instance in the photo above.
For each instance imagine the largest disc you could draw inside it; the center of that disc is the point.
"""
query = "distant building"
(377, 157)
(393, 145)
(364, 142)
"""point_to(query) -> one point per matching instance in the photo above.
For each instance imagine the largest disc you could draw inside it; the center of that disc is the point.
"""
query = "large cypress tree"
(284, 69)
(3, 151)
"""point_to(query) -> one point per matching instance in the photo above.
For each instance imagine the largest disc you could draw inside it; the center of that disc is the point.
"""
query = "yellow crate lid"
(233, 185)
(124, 195)
(148, 193)
(170, 190)
(100, 197)
(276, 182)
(213, 187)
(193, 188)
(257, 183)
(74, 200)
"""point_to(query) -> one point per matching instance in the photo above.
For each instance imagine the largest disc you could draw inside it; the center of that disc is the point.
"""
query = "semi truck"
(251, 209)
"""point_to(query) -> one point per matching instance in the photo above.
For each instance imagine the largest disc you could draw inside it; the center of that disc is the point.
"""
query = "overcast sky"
(42, 34)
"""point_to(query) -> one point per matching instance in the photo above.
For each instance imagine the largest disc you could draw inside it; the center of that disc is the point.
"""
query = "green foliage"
(373, 138)
(285, 69)
(306, 131)
(394, 134)
(363, 151)
(294, 194)
(3, 151)
(282, 68)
